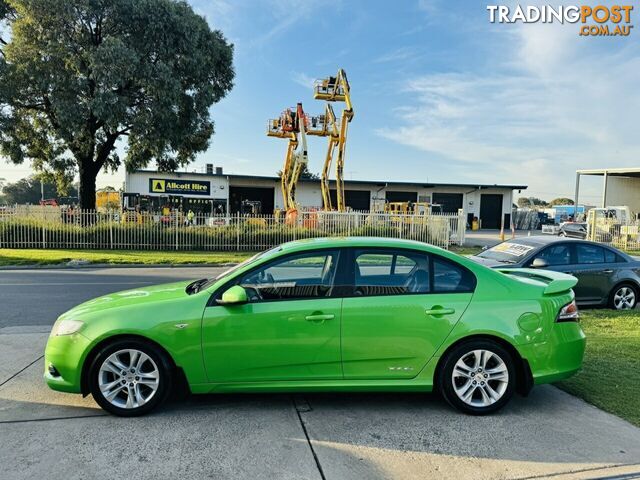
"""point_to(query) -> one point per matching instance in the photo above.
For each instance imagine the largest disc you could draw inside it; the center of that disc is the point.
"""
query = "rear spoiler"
(556, 282)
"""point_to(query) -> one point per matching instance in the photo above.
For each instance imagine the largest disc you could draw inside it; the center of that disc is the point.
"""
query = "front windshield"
(507, 252)
(237, 267)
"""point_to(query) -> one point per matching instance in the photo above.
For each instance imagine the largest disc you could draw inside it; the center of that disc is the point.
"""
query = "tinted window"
(556, 255)
(450, 277)
(390, 273)
(307, 275)
(590, 254)
(612, 257)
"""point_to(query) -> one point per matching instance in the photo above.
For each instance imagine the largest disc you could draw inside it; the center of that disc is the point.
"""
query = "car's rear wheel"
(478, 377)
(624, 297)
(130, 377)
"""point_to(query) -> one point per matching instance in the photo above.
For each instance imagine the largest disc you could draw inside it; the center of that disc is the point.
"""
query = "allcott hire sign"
(183, 187)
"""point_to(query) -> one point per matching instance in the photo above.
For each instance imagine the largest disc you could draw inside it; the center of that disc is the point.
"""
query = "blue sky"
(440, 94)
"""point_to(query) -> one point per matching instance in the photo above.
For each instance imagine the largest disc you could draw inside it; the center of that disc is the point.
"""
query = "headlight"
(66, 327)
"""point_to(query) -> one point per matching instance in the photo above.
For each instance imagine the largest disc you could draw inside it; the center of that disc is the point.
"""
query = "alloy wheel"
(128, 378)
(624, 298)
(480, 378)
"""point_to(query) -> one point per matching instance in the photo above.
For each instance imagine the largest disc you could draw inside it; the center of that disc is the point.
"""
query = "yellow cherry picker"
(292, 125)
(335, 89)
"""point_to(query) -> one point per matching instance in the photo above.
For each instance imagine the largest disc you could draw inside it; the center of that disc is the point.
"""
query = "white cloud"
(399, 54)
(554, 102)
(302, 79)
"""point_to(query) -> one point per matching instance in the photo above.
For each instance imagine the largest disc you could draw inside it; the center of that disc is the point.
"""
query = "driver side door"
(288, 330)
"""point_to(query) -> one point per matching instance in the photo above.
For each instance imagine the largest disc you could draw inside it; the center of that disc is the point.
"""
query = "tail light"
(568, 313)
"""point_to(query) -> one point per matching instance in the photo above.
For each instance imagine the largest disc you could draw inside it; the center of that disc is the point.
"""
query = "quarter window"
(307, 275)
(451, 278)
(390, 273)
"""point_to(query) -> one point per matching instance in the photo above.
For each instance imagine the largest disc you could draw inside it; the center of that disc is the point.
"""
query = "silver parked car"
(606, 276)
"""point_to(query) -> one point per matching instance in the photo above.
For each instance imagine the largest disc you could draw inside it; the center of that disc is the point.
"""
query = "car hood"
(127, 298)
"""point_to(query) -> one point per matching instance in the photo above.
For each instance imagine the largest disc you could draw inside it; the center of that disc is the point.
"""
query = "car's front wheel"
(478, 377)
(130, 377)
(624, 297)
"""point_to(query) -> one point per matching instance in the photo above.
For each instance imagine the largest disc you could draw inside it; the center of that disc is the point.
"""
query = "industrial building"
(620, 186)
(218, 192)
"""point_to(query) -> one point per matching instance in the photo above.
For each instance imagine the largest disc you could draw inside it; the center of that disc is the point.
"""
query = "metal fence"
(622, 235)
(53, 227)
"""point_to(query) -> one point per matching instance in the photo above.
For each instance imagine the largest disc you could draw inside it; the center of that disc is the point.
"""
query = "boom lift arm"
(291, 125)
(337, 89)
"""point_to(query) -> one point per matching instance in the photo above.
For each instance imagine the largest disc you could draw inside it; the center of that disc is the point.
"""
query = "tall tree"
(28, 190)
(561, 201)
(78, 76)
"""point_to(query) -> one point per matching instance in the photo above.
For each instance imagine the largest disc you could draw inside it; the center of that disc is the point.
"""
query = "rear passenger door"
(594, 272)
(401, 306)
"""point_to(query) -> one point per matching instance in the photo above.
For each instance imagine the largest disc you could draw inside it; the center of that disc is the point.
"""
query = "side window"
(306, 275)
(556, 255)
(590, 253)
(451, 278)
(390, 273)
(612, 257)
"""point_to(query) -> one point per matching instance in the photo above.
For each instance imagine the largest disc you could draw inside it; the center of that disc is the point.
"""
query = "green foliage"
(27, 191)
(77, 76)
(524, 202)
(561, 201)
(304, 173)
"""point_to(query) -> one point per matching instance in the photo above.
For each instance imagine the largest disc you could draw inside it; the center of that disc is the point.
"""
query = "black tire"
(616, 289)
(165, 377)
(446, 381)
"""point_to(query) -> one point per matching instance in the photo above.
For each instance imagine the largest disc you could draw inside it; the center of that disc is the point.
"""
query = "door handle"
(440, 311)
(607, 271)
(320, 317)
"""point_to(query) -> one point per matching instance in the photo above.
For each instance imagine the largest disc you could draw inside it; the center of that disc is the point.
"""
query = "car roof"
(542, 240)
(338, 242)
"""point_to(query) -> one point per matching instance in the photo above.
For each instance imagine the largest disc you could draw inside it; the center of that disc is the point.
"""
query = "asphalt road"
(38, 297)
(44, 434)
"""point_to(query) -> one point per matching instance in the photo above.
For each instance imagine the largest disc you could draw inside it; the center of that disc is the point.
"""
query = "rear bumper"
(63, 359)
(559, 357)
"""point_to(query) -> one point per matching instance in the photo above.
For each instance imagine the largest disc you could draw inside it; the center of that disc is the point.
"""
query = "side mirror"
(236, 295)
(539, 263)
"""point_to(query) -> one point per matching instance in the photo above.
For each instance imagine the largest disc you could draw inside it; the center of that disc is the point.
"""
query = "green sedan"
(327, 314)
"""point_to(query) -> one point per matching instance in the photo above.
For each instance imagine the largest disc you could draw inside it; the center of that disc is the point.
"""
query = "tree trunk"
(87, 192)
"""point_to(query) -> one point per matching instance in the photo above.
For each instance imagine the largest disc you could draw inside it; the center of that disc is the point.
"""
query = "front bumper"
(66, 354)
(560, 356)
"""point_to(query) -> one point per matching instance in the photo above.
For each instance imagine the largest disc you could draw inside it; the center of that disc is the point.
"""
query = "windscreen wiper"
(194, 287)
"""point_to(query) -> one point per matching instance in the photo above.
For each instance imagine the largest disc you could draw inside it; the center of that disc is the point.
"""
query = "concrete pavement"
(44, 434)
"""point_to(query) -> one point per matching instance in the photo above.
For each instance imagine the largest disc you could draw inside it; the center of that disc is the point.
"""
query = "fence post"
(177, 246)
(237, 231)
(462, 227)
(44, 240)
(591, 228)
(111, 216)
